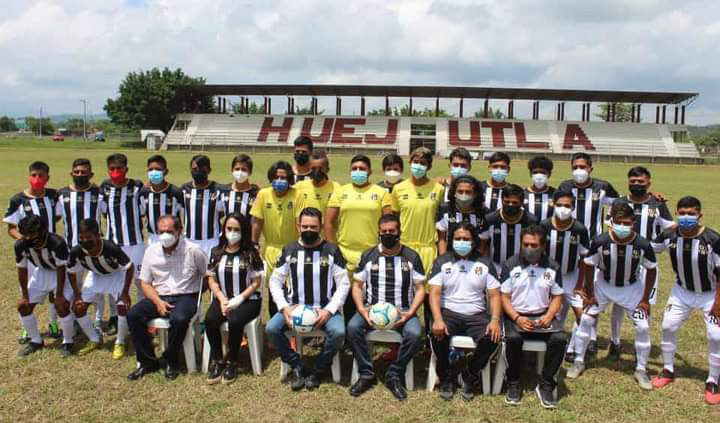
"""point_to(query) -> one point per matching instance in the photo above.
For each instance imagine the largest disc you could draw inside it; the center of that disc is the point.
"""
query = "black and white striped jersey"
(618, 263)
(110, 259)
(156, 204)
(492, 196)
(590, 201)
(121, 206)
(651, 217)
(504, 237)
(464, 282)
(539, 204)
(52, 255)
(694, 260)
(448, 218)
(314, 276)
(76, 206)
(241, 202)
(390, 279)
(203, 208)
(566, 247)
(531, 286)
(22, 205)
(234, 273)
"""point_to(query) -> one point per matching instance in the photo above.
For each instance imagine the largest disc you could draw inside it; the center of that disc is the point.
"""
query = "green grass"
(42, 387)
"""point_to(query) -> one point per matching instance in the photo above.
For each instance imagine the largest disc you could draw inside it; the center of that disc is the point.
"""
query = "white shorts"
(135, 253)
(205, 245)
(97, 285)
(641, 279)
(41, 282)
(569, 281)
(682, 302)
(627, 297)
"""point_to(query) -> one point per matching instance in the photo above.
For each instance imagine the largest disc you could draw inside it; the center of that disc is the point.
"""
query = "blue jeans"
(412, 340)
(335, 334)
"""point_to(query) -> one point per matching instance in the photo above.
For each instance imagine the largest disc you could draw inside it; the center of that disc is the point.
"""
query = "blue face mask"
(418, 170)
(280, 185)
(156, 177)
(462, 248)
(687, 222)
(498, 175)
(358, 177)
(622, 231)
(457, 171)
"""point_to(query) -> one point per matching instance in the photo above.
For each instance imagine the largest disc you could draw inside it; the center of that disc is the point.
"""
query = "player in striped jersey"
(316, 275)
(240, 195)
(618, 254)
(465, 204)
(203, 205)
(460, 163)
(48, 254)
(159, 197)
(317, 190)
(567, 243)
(392, 166)
(499, 168)
(109, 272)
(387, 273)
(539, 195)
(303, 149)
(501, 230)
(693, 250)
(235, 272)
(39, 201)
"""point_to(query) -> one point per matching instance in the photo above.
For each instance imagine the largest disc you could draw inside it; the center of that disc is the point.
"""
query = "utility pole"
(84, 102)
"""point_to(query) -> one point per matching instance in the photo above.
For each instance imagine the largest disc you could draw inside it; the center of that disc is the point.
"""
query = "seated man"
(532, 295)
(171, 278)
(315, 270)
(390, 273)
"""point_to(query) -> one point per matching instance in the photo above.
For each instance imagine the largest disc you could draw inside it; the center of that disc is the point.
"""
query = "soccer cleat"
(447, 389)
(89, 347)
(514, 393)
(54, 330)
(468, 386)
(545, 395)
(118, 351)
(663, 379)
(642, 379)
(66, 350)
(23, 338)
(215, 372)
(29, 348)
(614, 351)
(570, 357)
(312, 381)
(575, 370)
(298, 381)
(712, 393)
(592, 348)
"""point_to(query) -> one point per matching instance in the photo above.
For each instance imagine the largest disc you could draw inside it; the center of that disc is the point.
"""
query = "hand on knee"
(25, 309)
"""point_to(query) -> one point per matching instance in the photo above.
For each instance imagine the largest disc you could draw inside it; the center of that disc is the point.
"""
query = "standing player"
(465, 204)
(203, 205)
(539, 195)
(618, 254)
(460, 163)
(316, 191)
(392, 165)
(693, 250)
(39, 201)
(303, 150)
(499, 167)
(159, 197)
(240, 195)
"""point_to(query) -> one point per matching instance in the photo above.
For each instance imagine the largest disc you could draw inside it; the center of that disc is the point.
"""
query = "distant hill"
(698, 131)
(64, 117)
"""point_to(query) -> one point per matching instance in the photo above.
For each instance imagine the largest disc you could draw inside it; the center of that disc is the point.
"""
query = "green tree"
(147, 99)
(34, 125)
(405, 111)
(253, 109)
(623, 112)
(708, 139)
(492, 114)
(7, 124)
(307, 111)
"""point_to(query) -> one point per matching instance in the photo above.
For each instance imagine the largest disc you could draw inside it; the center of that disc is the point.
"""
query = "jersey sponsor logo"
(516, 275)
(268, 205)
(405, 197)
(462, 269)
(374, 197)
(344, 197)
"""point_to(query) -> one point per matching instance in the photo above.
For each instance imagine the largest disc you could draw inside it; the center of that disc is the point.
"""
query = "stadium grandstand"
(660, 140)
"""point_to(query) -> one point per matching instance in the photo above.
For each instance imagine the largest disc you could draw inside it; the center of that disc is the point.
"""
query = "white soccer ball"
(383, 315)
(303, 318)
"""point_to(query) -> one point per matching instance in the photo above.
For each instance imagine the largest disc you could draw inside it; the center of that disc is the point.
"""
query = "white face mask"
(240, 176)
(580, 176)
(233, 237)
(539, 180)
(563, 213)
(392, 176)
(167, 239)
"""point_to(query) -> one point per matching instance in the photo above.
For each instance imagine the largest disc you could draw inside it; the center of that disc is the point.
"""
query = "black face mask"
(318, 175)
(301, 158)
(511, 210)
(309, 237)
(81, 181)
(199, 176)
(389, 240)
(87, 245)
(638, 190)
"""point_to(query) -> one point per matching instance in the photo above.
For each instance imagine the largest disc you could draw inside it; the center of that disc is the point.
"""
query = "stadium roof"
(426, 91)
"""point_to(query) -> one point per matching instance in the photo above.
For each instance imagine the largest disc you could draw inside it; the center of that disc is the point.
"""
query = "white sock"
(100, 308)
(616, 321)
(52, 313)
(642, 343)
(571, 342)
(714, 361)
(88, 328)
(582, 336)
(113, 307)
(30, 325)
(68, 328)
(593, 331)
(122, 330)
(668, 347)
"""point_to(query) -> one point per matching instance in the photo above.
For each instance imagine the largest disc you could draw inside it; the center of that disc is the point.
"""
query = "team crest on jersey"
(308, 259)
(515, 275)
(290, 205)
(652, 212)
(405, 267)
(496, 231)
(636, 254)
(547, 275)
(293, 260)
(66, 199)
(452, 219)
(702, 249)
(374, 197)
(27, 208)
(324, 262)
(573, 240)
(187, 195)
(433, 195)
(478, 270)
(606, 252)
(243, 264)
(375, 267)
(214, 195)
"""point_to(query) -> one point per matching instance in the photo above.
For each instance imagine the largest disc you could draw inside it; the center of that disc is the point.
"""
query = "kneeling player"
(618, 254)
(109, 272)
(694, 256)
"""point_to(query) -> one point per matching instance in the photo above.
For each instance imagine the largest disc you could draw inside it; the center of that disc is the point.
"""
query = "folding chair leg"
(432, 373)
(205, 354)
(335, 368)
(354, 376)
(540, 361)
(410, 375)
(500, 367)
(486, 379)
(254, 346)
(189, 350)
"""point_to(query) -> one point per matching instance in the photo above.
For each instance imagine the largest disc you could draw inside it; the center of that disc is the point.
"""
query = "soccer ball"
(303, 318)
(383, 315)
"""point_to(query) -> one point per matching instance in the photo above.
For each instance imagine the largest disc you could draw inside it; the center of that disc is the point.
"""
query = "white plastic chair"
(285, 368)
(255, 344)
(539, 347)
(387, 336)
(464, 342)
(192, 336)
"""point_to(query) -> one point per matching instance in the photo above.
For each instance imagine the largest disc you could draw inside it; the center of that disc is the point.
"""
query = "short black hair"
(581, 156)
(310, 212)
(177, 223)
(303, 140)
(200, 160)
(389, 217)
(281, 165)
(512, 190)
(32, 224)
(460, 153)
(361, 158)
(499, 156)
(392, 159)
(621, 208)
(689, 202)
(89, 225)
(535, 230)
(81, 162)
(561, 193)
(242, 158)
(639, 171)
(118, 158)
(39, 166)
(540, 162)
(157, 159)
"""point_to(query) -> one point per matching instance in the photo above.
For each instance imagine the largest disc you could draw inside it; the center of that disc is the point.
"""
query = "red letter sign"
(324, 136)
(341, 129)
(498, 132)
(267, 128)
(522, 141)
(454, 134)
(574, 135)
(389, 138)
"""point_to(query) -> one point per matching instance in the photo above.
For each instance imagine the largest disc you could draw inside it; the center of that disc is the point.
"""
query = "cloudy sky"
(53, 53)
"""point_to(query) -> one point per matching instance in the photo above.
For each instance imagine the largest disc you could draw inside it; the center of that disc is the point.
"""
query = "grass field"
(43, 387)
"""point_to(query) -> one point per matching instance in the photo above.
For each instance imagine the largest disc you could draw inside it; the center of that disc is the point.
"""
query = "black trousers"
(556, 343)
(237, 319)
(185, 307)
(472, 325)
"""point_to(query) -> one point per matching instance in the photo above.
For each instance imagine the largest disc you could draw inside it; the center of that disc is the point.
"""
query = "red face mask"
(118, 176)
(37, 182)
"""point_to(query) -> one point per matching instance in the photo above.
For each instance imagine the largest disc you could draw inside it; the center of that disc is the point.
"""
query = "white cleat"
(575, 370)
(643, 380)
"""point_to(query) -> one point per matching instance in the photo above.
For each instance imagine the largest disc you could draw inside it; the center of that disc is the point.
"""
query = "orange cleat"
(664, 378)
(712, 393)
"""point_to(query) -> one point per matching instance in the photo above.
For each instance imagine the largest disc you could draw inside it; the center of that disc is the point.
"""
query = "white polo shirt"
(531, 287)
(177, 273)
(464, 282)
